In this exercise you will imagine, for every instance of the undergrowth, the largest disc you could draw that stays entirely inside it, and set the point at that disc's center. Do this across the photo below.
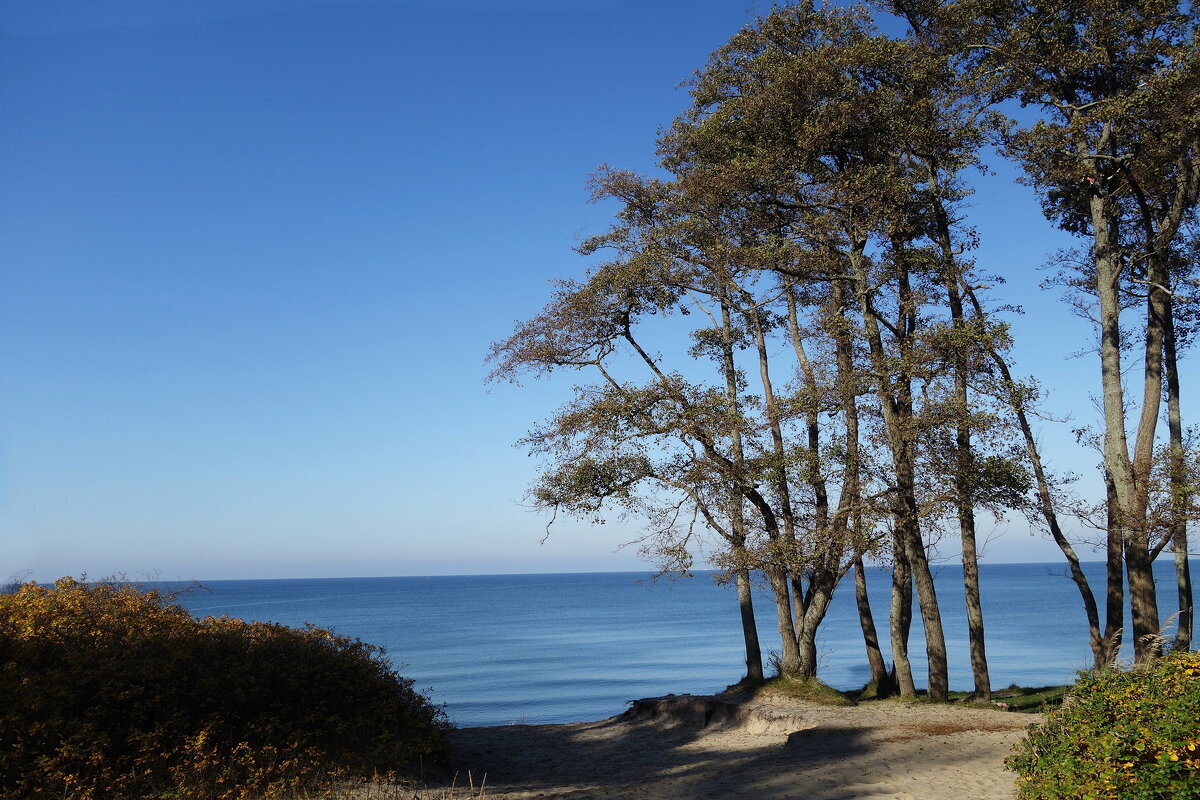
(109, 691)
(1121, 734)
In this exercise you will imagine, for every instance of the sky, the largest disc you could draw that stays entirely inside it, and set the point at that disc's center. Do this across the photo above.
(254, 253)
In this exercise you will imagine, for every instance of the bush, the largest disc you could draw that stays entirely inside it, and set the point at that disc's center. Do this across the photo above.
(1128, 734)
(108, 691)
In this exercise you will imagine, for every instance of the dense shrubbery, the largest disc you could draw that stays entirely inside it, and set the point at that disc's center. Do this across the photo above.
(1127, 734)
(107, 691)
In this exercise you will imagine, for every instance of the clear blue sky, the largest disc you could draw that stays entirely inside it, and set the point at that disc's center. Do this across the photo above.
(254, 252)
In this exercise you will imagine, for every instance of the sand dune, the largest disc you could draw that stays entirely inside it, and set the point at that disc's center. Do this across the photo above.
(679, 748)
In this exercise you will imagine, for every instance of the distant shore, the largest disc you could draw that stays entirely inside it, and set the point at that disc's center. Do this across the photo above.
(685, 747)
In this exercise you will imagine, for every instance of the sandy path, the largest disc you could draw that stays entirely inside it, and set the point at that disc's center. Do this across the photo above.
(766, 750)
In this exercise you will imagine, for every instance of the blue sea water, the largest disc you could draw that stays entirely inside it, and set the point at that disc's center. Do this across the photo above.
(497, 649)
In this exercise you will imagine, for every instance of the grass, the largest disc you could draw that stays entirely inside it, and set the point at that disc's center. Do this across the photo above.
(808, 689)
(462, 787)
(1019, 699)
(1029, 700)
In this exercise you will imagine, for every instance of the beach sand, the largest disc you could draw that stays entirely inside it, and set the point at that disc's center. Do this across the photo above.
(686, 747)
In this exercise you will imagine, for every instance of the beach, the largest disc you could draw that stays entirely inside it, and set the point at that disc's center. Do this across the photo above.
(685, 747)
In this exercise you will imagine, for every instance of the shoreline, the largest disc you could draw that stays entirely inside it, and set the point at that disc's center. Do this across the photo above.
(681, 747)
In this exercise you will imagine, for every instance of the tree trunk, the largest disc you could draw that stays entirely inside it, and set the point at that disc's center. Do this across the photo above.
(896, 401)
(778, 473)
(963, 459)
(830, 537)
(806, 641)
(850, 503)
(1183, 585)
(931, 617)
(900, 617)
(754, 665)
(789, 654)
(1126, 499)
(866, 620)
(1016, 401)
(827, 576)
(1114, 603)
(1180, 489)
(1142, 601)
(1139, 564)
(895, 398)
(970, 564)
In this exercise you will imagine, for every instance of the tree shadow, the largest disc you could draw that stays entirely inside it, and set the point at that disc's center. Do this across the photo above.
(624, 756)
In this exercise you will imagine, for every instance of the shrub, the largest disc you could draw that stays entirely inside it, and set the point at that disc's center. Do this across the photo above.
(1128, 734)
(108, 691)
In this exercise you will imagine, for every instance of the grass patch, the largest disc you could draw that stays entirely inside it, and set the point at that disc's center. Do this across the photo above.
(462, 786)
(1019, 699)
(807, 689)
(875, 691)
(1026, 699)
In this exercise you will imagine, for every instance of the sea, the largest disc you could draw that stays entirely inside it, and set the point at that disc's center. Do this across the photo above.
(504, 649)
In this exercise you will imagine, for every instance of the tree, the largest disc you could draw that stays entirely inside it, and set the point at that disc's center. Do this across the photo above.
(628, 442)
(848, 145)
(1115, 158)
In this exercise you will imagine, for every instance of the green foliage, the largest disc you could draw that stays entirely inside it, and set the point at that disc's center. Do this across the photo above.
(1019, 699)
(1124, 734)
(108, 691)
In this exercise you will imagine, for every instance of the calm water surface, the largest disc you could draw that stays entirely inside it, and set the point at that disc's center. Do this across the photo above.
(497, 649)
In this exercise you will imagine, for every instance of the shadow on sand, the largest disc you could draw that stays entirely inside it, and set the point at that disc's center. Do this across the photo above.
(687, 747)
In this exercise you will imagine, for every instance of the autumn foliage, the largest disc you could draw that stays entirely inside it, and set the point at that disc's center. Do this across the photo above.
(109, 691)
(1121, 735)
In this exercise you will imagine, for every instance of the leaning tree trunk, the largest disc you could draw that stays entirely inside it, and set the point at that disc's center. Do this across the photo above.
(816, 605)
(970, 565)
(850, 505)
(1161, 224)
(1016, 398)
(789, 653)
(1139, 564)
(829, 543)
(895, 395)
(778, 473)
(931, 617)
(754, 665)
(827, 573)
(789, 657)
(963, 460)
(1126, 499)
(900, 616)
(895, 400)
(1181, 491)
(866, 621)
(777, 576)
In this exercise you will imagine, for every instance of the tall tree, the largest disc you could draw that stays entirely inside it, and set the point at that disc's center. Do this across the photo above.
(627, 444)
(1115, 155)
(849, 143)
(941, 139)
(722, 449)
